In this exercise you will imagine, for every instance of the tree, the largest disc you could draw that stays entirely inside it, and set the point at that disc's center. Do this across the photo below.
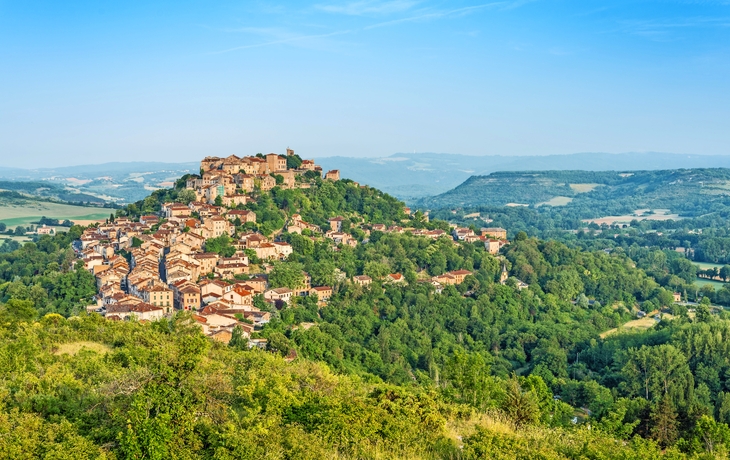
(664, 429)
(376, 270)
(614, 422)
(322, 272)
(186, 196)
(287, 274)
(293, 161)
(552, 357)
(278, 343)
(655, 371)
(17, 311)
(278, 178)
(665, 298)
(260, 302)
(3, 227)
(219, 200)
(238, 340)
(466, 379)
(136, 242)
(711, 434)
(520, 405)
(702, 311)
(221, 245)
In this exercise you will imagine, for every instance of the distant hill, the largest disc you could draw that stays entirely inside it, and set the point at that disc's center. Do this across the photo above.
(415, 175)
(408, 176)
(590, 194)
(109, 182)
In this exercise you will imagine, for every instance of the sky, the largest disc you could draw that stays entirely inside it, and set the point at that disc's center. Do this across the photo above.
(86, 82)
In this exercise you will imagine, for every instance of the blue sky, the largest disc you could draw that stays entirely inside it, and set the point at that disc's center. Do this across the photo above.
(90, 82)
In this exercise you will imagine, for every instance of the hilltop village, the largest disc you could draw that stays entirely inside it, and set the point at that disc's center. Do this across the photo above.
(150, 266)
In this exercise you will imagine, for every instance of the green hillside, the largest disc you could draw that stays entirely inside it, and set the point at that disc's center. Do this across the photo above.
(481, 369)
(590, 194)
(17, 210)
(84, 388)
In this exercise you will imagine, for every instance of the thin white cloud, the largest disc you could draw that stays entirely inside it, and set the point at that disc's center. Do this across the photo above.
(369, 7)
(276, 36)
(436, 15)
(662, 30)
(289, 39)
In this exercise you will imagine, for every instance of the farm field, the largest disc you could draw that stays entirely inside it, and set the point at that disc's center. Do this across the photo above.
(14, 214)
(557, 201)
(706, 265)
(583, 188)
(702, 282)
(639, 214)
(641, 323)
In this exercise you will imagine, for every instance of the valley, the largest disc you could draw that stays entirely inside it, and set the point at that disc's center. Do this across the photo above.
(268, 275)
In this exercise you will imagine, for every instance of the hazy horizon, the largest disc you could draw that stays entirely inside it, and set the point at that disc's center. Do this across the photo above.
(176, 81)
(172, 163)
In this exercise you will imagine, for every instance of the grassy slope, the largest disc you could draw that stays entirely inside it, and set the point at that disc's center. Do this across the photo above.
(23, 212)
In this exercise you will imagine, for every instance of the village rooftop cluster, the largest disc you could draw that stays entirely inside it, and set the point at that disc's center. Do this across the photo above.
(167, 267)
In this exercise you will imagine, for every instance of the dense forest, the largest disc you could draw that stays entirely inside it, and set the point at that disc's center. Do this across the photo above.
(704, 238)
(479, 370)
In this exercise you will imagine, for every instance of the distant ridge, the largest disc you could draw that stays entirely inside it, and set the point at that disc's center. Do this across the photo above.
(591, 194)
(116, 182)
(116, 167)
(413, 175)
(408, 176)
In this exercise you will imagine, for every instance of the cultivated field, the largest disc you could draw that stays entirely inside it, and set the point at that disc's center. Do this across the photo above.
(14, 213)
(706, 265)
(557, 201)
(642, 323)
(583, 188)
(639, 214)
(702, 282)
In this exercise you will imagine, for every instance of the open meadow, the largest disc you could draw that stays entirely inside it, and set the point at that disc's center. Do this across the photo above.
(639, 214)
(24, 212)
(703, 282)
(706, 265)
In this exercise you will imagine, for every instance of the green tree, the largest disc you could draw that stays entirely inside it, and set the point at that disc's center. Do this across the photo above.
(17, 311)
(711, 434)
(664, 425)
(278, 178)
(186, 196)
(279, 343)
(293, 161)
(221, 245)
(520, 405)
(466, 378)
(376, 270)
(287, 274)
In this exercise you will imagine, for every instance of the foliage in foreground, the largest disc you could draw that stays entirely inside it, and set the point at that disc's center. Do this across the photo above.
(88, 388)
